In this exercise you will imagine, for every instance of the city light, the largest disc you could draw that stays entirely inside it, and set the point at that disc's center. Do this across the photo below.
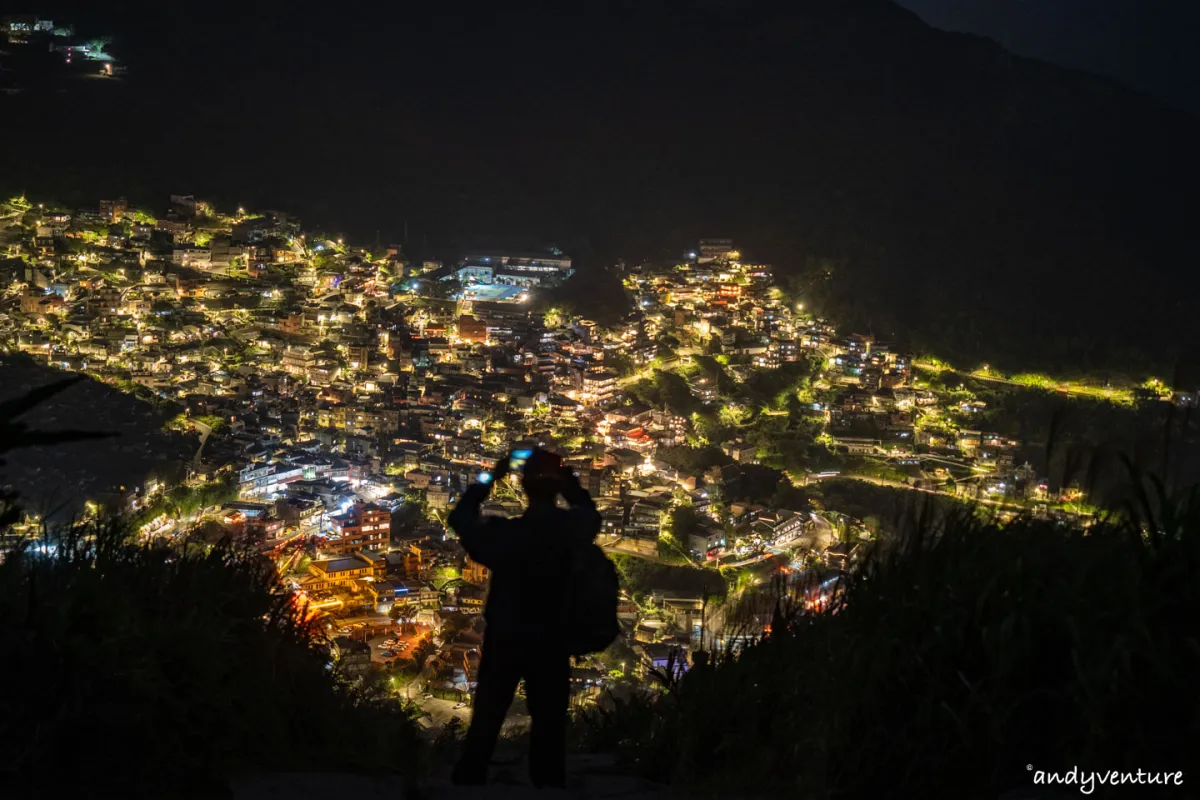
(331, 396)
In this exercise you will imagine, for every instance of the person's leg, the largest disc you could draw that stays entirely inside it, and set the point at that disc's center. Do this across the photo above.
(548, 686)
(499, 672)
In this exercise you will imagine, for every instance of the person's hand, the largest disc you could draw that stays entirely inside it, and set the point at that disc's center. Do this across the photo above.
(572, 489)
(567, 476)
(500, 469)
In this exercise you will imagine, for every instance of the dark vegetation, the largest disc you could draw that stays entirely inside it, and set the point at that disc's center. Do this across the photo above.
(16, 434)
(1083, 441)
(956, 657)
(789, 441)
(184, 500)
(157, 671)
(694, 460)
(55, 481)
(776, 386)
(642, 577)
(665, 389)
(756, 483)
(160, 673)
(770, 415)
(594, 292)
(959, 653)
(884, 509)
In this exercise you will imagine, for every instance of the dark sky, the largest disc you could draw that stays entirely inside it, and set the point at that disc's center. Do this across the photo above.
(1147, 44)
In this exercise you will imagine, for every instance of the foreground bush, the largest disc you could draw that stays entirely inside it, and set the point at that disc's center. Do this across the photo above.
(133, 671)
(956, 661)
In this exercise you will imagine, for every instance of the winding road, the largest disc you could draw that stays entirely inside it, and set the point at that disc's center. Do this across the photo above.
(1112, 395)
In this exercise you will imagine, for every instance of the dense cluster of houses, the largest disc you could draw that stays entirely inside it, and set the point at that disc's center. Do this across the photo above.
(350, 395)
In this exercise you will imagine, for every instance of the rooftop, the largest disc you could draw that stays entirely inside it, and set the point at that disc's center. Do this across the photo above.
(333, 565)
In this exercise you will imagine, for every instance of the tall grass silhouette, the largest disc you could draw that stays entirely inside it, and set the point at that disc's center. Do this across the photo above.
(958, 654)
(141, 671)
(155, 672)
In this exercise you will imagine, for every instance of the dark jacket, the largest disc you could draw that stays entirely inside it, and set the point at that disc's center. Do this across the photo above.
(527, 556)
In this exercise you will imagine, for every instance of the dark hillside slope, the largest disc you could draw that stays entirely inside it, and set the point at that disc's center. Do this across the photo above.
(982, 205)
(979, 205)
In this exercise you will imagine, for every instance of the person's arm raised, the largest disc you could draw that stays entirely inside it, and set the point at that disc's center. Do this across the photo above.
(478, 536)
(587, 520)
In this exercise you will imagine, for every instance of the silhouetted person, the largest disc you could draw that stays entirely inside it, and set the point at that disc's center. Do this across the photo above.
(528, 559)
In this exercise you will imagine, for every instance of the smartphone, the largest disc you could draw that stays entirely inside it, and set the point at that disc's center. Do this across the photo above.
(484, 477)
(517, 462)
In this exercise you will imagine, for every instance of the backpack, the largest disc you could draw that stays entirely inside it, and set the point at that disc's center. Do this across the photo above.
(591, 607)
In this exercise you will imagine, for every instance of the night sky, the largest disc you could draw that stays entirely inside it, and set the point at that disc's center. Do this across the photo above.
(1147, 44)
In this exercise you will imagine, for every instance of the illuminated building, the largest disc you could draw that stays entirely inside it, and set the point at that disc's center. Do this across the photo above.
(362, 527)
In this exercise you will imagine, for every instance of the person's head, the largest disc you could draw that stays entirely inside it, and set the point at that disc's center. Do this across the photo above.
(541, 478)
